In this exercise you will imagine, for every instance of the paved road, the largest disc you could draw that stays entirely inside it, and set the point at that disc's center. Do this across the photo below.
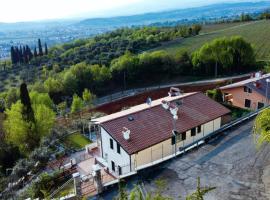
(230, 163)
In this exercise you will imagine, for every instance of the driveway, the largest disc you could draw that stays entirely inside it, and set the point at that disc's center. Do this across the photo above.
(231, 163)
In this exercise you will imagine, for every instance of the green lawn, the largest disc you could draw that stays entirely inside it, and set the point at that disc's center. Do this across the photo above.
(76, 141)
(257, 33)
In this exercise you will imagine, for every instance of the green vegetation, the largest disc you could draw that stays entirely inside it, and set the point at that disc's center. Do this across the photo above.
(262, 128)
(28, 121)
(223, 56)
(76, 141)
(237, 112)
(256, 33)
(136, 193)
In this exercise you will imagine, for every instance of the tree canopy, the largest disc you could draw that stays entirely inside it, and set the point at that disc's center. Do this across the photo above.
(23, 131)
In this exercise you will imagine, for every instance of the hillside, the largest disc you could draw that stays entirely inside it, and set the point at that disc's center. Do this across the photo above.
(203, 13)
(257, 33)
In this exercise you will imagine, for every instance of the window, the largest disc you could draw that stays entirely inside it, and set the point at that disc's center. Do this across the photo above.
(247, 103)
(199, 129)
(246, 89)
(260, 105)
(184, 136)
(118, 148)
(173, 140)
(111, 143)
(113, 166)
(193, 132)
(119, 170)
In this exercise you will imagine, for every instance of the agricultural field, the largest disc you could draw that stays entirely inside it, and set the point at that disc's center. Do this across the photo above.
(257, 33)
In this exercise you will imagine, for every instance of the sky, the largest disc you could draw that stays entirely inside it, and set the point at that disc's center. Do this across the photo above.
(36, 10)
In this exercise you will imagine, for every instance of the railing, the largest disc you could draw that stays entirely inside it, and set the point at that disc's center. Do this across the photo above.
(132, 92)
(162, 153)
(60, 188)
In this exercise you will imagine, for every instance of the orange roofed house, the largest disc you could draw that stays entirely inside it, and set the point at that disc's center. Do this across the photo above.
(142, 136)
(253, 93)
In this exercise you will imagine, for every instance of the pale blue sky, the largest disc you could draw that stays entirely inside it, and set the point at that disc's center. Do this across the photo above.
(33, 10)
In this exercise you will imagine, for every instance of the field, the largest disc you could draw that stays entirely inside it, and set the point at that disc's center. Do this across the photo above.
(257, 33)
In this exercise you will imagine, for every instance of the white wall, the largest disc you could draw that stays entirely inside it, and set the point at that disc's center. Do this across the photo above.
(165, 148)
(122, 159)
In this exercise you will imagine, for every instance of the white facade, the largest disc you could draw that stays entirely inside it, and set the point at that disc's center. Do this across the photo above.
(121, 159)
(152, 155)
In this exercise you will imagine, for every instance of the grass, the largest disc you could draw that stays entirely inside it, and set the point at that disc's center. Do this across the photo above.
(257, 33)
(76, 141)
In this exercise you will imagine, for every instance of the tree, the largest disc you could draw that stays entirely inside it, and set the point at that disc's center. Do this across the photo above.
(62, 108)
(88, 97)
(27, 113)
(12, 96)
(77, 104)
(46, 49)
(40, 50)
(261, 128)
(196, 28)
(29, 120)
(35, 52)
(224, 55)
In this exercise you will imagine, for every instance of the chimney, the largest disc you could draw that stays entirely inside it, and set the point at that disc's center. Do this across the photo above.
(126, 133)
(165, 104)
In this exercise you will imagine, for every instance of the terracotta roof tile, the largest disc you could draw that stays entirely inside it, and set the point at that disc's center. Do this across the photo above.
(154, 125)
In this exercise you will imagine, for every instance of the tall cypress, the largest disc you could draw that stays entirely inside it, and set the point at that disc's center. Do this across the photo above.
(29, 53)
(46, 49)
(40, 51)
(28, 113)
(13, 55)
(35, 52)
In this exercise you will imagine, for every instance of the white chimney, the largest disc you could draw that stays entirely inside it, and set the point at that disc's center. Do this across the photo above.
(165, 104)
(126, 133)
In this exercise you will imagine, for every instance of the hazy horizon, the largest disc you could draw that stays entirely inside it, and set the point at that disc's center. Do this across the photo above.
(38, 10)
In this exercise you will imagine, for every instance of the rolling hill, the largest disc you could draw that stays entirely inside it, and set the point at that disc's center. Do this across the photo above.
(257, 33)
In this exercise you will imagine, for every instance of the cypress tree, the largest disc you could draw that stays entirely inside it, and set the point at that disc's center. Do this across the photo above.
(17, 55)
(40, 51)
(13, 55)
(29, 53)
(20, 55)
(27, 112)
(25, 56)
(46, 49)
(35, 52)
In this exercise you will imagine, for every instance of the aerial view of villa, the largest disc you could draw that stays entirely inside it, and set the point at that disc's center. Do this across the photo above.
(135, 100)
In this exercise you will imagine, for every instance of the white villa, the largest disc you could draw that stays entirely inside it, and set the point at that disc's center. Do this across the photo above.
(156, 131)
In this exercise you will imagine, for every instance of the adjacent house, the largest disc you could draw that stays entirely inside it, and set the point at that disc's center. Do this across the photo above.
(253, 93)
(148, 134)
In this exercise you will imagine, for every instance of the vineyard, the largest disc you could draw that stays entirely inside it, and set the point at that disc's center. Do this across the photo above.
(257, 33)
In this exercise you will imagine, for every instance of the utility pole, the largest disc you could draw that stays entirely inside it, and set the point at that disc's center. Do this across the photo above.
(266, 95)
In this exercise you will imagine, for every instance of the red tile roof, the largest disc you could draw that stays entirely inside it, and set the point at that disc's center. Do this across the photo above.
(154, 125)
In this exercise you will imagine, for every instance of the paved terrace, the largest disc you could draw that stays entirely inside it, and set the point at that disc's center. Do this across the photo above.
(231, 163)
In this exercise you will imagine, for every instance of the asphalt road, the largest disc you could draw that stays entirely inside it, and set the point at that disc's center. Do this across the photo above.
(230, 163)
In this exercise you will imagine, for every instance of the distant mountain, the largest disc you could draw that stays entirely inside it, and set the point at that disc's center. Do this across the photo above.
(199, 13)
